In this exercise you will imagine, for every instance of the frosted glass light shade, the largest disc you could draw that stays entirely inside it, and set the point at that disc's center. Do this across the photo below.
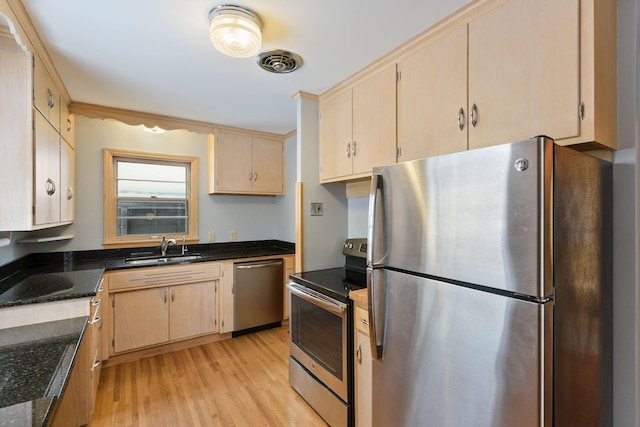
(235, 31)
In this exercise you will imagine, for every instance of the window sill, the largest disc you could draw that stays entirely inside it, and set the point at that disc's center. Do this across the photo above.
(147, 243)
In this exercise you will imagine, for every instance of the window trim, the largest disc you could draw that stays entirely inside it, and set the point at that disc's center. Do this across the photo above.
(110, 237)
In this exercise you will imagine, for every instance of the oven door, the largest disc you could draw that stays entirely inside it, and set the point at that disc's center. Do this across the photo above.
(318, 327)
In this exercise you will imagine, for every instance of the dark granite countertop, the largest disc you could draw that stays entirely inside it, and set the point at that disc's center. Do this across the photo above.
(35, 361)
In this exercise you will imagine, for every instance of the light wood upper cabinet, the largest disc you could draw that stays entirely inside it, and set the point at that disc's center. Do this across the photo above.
(245, 164)
(47, 186)
(335, 136)
(46, 96)
(358, 128)
(67, 125)
(67, 182)
(524, 72)
(432, 98)
(33, 161)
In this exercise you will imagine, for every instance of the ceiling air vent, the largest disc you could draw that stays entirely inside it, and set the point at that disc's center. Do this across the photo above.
(279, 61)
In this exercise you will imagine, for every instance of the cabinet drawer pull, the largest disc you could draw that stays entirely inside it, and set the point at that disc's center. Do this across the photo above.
(474, 115)
(95, 303)
(96, 320)
(96, 363)
(364, 322)
(461, 118)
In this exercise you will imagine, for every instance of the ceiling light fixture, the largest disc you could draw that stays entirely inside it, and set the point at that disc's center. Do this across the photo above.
(235, 30)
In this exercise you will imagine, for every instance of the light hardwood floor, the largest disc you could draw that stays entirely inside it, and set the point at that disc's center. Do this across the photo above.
(242, 381)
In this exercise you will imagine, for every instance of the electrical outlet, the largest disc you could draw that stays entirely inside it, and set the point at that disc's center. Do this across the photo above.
(233, 235)
(212, 236)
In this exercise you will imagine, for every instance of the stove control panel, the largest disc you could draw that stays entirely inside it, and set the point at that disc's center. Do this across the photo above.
(355, 247)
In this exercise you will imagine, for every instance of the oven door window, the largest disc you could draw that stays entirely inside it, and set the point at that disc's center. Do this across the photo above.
(318, 333)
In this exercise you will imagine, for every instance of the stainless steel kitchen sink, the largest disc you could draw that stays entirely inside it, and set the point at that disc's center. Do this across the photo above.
(167, 259)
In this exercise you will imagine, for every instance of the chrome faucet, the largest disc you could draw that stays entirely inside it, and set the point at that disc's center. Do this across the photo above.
(165, 244)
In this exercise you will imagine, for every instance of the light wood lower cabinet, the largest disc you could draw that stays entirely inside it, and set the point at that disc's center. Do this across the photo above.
(158, 305)
(226, 298)
(76, 403)
(148, 317)
(192, 310)
(289, 268)
(363, 366)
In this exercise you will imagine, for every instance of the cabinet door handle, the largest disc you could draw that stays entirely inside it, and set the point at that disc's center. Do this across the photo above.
(173, 295)
(353, 148)
(51, 187)
(474, 115)
(165, 296)
(255, 176)
(359, 354)
(70, 193)
(51, 98)
(349, 150)
(461, 118)
(250, 176)
(69, 125)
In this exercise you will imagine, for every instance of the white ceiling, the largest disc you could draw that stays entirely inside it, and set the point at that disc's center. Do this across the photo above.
(155, 56)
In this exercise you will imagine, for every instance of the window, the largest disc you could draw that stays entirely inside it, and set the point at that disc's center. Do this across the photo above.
(148, 196)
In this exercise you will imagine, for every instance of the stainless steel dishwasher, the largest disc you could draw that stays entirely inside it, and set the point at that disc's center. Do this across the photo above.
(258, 294)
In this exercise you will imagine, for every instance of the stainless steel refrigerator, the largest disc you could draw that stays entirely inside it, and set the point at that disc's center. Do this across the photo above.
(489, 280)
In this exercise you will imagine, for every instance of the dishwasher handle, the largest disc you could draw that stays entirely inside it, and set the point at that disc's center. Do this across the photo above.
(248, 266)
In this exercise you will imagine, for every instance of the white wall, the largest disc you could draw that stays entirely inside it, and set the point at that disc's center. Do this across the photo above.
(625, 194)
(358, 217)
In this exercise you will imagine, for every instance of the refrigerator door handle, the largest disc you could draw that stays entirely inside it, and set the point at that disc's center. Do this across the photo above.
(372, 231)
(376, 291)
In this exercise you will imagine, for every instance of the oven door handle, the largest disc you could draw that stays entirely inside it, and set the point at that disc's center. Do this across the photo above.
(318, 299)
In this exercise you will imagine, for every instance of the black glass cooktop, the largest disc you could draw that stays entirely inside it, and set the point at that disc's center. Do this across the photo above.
(334, 282)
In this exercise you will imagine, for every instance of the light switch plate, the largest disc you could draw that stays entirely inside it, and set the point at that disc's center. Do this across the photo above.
(316, 209)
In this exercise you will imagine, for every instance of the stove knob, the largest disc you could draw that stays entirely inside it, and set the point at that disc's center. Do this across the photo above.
(350, 245)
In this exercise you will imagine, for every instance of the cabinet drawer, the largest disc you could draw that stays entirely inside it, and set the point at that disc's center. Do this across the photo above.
(169, 275)
(362, 320)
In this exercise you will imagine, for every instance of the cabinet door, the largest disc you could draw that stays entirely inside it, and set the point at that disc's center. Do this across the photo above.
(226, 299)
(268, 166)
(46, 97)
(232, 157)
(363, 373)
(335, 136)
(67, 182)
(140, 319)
(67, 125)
(46, 185)
(432, 93)
(524, 71)
(192, 310)
(374, 121)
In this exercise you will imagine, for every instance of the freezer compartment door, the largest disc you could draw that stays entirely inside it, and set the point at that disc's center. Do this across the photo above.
(455, 356)
(481, 216)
